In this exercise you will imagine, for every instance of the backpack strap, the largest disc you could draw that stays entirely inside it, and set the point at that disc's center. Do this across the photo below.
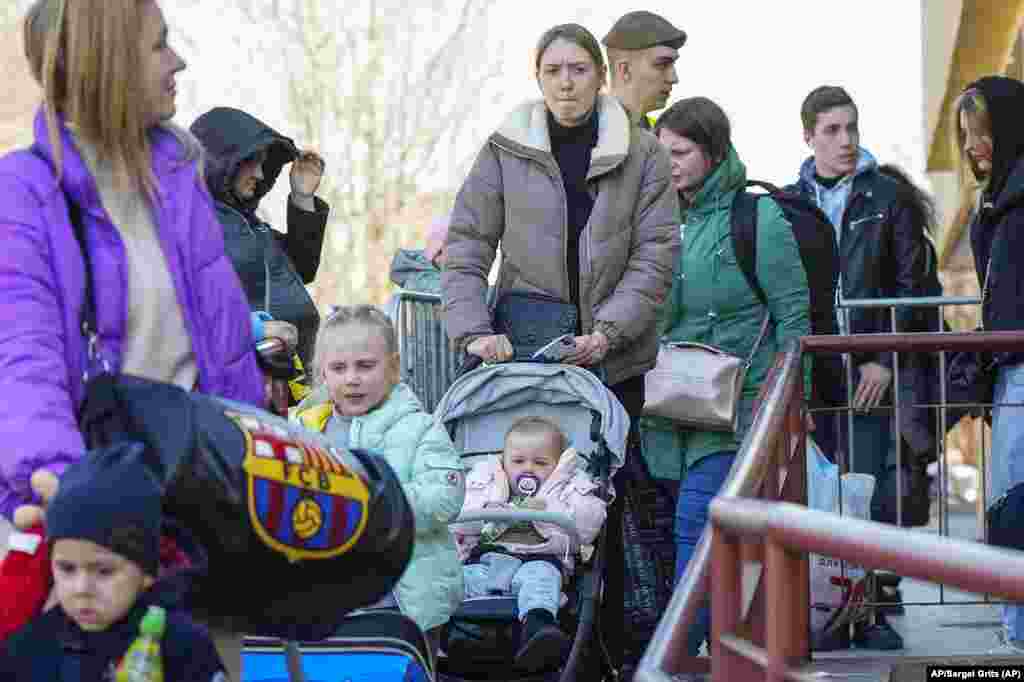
(743, 228)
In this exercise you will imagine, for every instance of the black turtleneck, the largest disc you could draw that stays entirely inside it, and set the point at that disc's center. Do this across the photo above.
(571, 148)
(828, 183)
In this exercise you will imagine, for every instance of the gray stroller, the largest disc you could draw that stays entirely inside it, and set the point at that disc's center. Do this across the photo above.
(480, 640)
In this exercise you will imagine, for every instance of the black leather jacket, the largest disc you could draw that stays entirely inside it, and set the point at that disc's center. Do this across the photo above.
(883, 253)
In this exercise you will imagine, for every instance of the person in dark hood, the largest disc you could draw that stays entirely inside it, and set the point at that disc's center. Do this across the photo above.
(990, 140)
(244, 158)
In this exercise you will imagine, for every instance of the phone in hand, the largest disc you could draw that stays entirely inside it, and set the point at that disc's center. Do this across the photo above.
(557, 350)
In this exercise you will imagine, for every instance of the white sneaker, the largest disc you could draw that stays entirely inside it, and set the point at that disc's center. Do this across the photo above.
(1007, 646)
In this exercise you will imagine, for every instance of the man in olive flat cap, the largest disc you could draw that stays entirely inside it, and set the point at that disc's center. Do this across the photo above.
(642, 51)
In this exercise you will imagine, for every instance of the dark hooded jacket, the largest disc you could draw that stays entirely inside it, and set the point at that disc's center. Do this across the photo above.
(52, 648)
(260, 254)
(997, 231)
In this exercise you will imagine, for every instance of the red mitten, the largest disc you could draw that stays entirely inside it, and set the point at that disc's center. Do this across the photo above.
(25, 578)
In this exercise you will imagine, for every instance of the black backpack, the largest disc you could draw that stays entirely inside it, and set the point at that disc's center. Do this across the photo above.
(816, 239)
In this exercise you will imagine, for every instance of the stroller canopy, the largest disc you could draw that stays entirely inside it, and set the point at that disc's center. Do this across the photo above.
(480, 406)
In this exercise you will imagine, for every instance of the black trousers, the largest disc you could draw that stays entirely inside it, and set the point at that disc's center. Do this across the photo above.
(613, 619)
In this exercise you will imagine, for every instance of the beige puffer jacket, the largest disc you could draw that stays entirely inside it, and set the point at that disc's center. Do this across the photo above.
(514, 197)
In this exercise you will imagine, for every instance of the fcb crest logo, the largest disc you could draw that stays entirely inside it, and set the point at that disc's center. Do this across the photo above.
(303, 502)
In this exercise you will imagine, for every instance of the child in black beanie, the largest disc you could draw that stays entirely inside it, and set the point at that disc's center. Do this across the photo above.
(103, 527)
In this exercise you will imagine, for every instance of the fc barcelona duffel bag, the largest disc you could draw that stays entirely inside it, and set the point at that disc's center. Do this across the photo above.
(296, 532)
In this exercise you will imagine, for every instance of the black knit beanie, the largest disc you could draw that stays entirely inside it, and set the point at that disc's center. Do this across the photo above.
(108, 497)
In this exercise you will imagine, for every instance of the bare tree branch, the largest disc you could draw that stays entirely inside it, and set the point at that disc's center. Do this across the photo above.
(384, 89)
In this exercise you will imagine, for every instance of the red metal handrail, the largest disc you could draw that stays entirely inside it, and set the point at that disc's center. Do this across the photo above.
(665, 654)
(924, 342)
(789, 532)
(970, 566)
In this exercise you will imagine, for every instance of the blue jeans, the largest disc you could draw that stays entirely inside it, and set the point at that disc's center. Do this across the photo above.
(702, 483)
(1007, 460)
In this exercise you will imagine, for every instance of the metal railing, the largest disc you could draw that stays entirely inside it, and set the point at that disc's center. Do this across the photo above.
(428, 365)
(942, 426)
(788, 533)
(785, 639)
(939, 344)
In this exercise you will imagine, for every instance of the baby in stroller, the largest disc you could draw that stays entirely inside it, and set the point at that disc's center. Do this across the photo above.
(529, 560)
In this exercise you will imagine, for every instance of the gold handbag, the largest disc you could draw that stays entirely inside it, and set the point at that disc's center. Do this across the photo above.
(698, 386)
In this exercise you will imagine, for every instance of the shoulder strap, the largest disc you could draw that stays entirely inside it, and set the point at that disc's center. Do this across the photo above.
(743, 228)
(87, 315)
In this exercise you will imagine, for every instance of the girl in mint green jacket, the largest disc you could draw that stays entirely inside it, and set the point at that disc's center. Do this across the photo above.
(356, 358)
(712, 303)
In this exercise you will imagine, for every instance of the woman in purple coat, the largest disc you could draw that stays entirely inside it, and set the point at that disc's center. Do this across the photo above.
(168, 303)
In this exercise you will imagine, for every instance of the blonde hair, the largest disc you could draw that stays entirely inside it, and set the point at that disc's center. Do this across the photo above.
(363, 315)
(972, 104)
(538, 426)
(957, 228)
(85, 54)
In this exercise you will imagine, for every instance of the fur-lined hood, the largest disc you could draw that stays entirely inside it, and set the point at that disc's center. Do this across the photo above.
(526, 129)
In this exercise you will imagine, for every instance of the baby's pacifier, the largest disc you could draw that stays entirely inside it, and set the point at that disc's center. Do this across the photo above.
(527, 484)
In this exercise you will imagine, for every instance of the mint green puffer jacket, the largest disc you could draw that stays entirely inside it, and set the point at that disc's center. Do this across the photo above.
(425, 461)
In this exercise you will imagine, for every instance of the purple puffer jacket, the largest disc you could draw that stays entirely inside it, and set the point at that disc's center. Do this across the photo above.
(42, 285)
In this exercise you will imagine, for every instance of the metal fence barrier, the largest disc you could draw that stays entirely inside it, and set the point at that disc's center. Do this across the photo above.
(896, 408)
(428, 365)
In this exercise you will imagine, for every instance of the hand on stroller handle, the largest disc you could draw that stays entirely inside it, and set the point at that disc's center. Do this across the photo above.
(563, 521)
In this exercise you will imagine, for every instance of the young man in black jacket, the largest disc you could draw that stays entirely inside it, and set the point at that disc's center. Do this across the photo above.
(884, 253)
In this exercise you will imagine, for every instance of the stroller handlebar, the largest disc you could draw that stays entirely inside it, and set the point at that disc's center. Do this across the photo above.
(563, 521)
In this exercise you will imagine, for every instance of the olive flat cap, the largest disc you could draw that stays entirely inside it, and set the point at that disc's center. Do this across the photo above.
(640, 30)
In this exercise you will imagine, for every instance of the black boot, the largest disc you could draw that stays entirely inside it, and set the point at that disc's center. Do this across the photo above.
(879, 635)
(542, 645)
(834, 639)
(887, 593)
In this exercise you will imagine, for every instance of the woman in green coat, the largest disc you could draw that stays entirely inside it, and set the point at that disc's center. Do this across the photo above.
(711, 303)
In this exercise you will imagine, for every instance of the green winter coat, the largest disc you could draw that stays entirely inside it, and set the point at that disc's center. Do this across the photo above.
(425, 461)
(712, 303)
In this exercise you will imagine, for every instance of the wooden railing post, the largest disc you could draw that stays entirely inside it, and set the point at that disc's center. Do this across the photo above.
(725, 601)
(786, 636)
(726, 607)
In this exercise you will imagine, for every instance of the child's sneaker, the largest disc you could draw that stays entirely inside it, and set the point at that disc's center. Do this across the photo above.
(543, 645)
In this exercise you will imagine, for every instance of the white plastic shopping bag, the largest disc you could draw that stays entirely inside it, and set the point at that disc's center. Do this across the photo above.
(837, 589)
